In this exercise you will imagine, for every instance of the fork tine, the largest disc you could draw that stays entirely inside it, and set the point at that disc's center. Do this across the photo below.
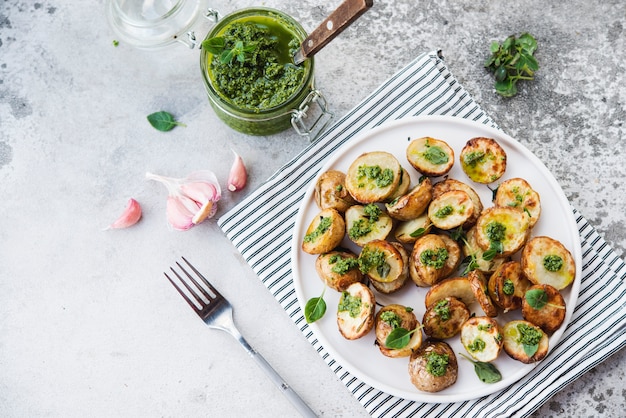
(189, 301)
(202, 278)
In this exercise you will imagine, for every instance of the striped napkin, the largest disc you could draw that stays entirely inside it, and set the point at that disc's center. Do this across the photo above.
(261, 227)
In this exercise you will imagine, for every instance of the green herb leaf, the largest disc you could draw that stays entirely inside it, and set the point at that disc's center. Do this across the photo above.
(536, 298)
(486, 372)
(214, 45)
(163, 121)
(512, 61)
(530, 349)
(398, 338)
(315, 308)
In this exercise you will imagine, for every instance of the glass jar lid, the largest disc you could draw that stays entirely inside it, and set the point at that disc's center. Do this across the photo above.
(152, 24)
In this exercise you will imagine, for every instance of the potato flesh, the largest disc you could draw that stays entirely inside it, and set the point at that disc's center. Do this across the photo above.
(516, 224)
(518, 194)
(356, 327)
(366, 190)
(533, 256)
(488, 168)
(417, 155)
(451, 209)
(485, 330)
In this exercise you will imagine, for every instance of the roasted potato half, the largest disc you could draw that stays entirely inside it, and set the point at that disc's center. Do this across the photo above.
(428, 260)
(431, 157)
(451, 209)
(482, 338)
(525, 341)
(331, 192)
(444, 318)
(517, 193)
(483, 160)
(502, 228)
(355, 312)
(548, 309)
(408, 232)
(382, 261)
(338, 269)
(454, 256)
(547, 261)
(373, 177)
(403, 187)
(457, 287)
(507, 286)
(452, 184)
(478, 283)
(367, 223)
(324, 233)
(397, 284)
(413, 204)
(433, 367)
(395, 316)
(472, 250)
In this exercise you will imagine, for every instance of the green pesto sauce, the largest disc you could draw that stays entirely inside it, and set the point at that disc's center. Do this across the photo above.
(392, 318)
(267, 77)
(434, 258)
(435, 155)
(508, 288)
(444, 212)
(442, 308)
(374, 259)
(350, 304)
(529, 335)
(322, 227)
(374, 174)
(476, 345)
(342, 265)
(437, 364)
(496, 232)
(552, 262)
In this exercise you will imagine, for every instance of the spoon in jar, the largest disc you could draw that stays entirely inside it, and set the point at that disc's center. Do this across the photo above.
(341, 18)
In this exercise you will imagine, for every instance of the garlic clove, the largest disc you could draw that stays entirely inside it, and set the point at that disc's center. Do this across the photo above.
(179, 215)
(130, 216)
(238, 175)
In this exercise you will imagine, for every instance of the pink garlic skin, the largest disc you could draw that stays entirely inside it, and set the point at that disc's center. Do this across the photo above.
(129, 217)
(190, 200)
(238, 175)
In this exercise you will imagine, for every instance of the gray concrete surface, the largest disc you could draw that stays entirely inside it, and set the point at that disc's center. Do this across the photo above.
(88, 325)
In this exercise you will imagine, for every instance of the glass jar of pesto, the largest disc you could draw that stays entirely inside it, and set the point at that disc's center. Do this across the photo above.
(249, 75)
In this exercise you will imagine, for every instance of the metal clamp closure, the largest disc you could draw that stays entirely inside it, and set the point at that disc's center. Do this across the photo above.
(321, 121)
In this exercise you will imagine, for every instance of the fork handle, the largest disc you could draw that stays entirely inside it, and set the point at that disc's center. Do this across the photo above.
(280, 383)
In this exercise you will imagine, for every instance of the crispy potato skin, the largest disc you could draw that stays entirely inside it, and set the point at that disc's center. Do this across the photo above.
(483, 160)
(442, 327)
(382, 330)
(334, 280)
(418, 373)
(515, 349)
(485, 329)
(511, 270)
(478, 283)
(551, 316)
(454, 256)
(533, 256)
(416, 155)
(353, 328)
(423, 274)
(413, 204)
(331, 192)
(517, 193)
(458, 287)
(328, 240)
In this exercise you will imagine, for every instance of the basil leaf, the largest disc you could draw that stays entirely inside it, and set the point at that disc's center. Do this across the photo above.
(486, 372)
(536, 298)
(398, 338)
(163, 121)
(530, 350)
(214, 45)
(314, 309)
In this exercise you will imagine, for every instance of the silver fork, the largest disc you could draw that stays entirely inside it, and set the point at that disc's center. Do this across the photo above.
(217, 313)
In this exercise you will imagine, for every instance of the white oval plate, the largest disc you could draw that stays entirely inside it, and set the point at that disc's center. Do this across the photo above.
(361, 357)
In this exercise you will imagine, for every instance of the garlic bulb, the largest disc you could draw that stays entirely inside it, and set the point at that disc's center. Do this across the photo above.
(192, 199)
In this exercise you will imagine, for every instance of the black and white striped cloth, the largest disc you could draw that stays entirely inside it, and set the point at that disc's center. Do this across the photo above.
(261, 227)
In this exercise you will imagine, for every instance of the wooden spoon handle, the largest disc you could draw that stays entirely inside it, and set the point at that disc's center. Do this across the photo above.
(341, 18)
